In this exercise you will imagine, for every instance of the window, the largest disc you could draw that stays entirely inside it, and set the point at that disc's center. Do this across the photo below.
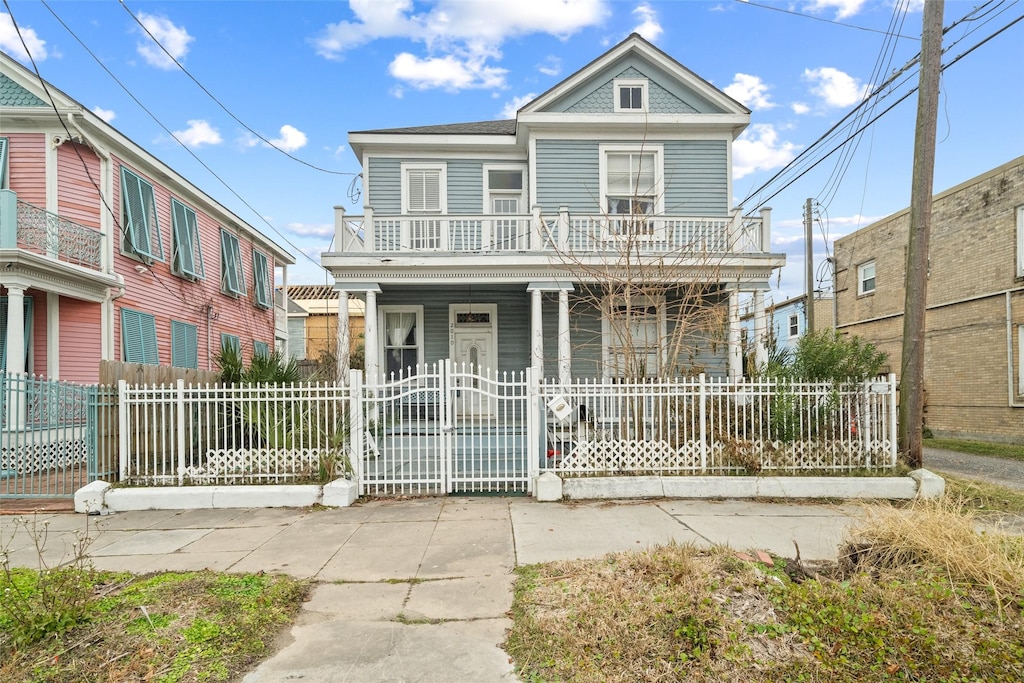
(866, 278)
(424, 191)
(630, 95)
(261, 279)
(232, 280)
(3, 163)
(139, 226)
(186, 256)
(3, 332)
(260, 349)
(230, 341)
(794, 325)
(631, 187)
(632, 332)
(138, 338)
(184, 345)
(504, 195)
(403, 338)
(1020, 241)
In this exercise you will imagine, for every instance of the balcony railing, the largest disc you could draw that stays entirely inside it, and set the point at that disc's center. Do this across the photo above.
(33, 229)
(562, 232)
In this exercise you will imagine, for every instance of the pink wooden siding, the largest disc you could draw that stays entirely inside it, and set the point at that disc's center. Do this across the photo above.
(168, 297)
(81, 340)
(77, 198)
(26, 159)
(38, 331)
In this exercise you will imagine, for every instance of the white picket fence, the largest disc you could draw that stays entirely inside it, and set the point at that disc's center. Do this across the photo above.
(447, 428)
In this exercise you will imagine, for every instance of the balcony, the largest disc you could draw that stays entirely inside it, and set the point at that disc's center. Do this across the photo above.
(45, 251)
(561, 233)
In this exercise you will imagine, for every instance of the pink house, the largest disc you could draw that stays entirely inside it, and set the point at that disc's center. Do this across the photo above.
(107, 253)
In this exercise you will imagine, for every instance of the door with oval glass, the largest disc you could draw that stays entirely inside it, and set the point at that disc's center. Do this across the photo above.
(473, 351)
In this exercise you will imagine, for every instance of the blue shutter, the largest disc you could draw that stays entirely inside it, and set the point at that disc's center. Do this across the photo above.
(184, 345)
(232, 280)
(138, 338)
(187, 256)
(138, 215)
(3, 163)
(3, 329)
(261, 349)
(261, 279)
(231, 340)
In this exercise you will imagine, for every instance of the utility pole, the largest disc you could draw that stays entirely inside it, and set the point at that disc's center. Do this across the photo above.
(911, 417)
(809, 272)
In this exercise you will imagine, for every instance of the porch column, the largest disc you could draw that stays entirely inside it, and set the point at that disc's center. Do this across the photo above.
(342, 360)
(537, 332)
(564, 345)
(734, 351)
(370, 338)
(760, 350)
(15, 328)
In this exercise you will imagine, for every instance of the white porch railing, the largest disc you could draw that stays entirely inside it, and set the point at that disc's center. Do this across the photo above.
(445, 428)
(561, 232)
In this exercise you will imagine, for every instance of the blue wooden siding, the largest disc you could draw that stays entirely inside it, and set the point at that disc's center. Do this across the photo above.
(696, 176)
(666, 94)
(465, 184)
(384, 185)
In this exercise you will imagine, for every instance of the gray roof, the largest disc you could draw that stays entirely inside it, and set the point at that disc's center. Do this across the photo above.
(502, 127)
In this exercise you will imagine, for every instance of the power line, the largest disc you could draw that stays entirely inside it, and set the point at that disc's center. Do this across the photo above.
(220, 104)
(171, 134)
(827, 21)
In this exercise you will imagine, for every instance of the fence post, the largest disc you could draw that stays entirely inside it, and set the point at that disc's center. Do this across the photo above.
(180, 429)
(447, 395)
(122, 424)
(356, 427)
(893, 416)
(703, 424)
(532, 437)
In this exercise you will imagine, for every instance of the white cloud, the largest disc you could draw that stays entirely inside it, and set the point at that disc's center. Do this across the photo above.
(512, 106)
(291, 139)
(459, 35)
(751, 91)
(551, 66)
(198, 133)
(107, 115)
(11, 43)
(759, 149)
(175, 40)
(648, 27)
(844, 8)
(834, 87)
(311, 230)
(449, 72)
(800, 108)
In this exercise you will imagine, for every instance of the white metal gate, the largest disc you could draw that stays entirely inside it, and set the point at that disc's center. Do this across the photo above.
(446, 428)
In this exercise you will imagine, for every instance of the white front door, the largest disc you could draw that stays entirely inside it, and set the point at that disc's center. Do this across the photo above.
(473, 352)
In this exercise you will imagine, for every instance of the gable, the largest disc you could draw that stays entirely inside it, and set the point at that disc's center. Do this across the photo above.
(14, 95)
(666, 96)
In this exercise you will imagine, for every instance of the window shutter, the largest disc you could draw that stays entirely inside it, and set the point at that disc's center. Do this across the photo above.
(187, 255)
(133, 212)
(230, 340)
(424, 189)
(231, 278)
(261, 278)
(184, 345)
(260, 349)
(138, 338)
(3, 162)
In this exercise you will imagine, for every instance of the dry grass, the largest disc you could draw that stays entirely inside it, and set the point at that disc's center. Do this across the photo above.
(923, 596)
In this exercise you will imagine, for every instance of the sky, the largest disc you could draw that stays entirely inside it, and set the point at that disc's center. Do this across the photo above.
(258, 116)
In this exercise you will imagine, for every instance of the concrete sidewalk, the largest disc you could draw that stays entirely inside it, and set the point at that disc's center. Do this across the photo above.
(416, 590)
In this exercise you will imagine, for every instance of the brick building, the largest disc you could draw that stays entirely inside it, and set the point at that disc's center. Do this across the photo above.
(974, 355)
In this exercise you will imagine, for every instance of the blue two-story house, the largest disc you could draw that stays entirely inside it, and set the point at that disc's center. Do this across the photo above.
(590, 237)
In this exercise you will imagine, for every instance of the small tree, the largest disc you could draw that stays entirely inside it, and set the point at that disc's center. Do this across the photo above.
(828, 356)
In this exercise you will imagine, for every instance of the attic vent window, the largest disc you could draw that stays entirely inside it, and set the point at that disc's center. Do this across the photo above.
(630, 95)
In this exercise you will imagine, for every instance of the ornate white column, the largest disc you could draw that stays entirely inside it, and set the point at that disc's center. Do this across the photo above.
(370, 338)
(537, 332)
(342, 360)
(564, 342)
(735, 353)
(760, 330)
(15, 328)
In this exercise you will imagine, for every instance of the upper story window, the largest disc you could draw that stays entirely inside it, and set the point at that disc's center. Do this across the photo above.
(139, 227)
(866, 278)
(424, 188)
(261, 279)
(3, 163)
(505, 194)
(1020, 246)
(186, 255)
(232, 279)
(794, 325)
(631, 186)
(630, 94)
